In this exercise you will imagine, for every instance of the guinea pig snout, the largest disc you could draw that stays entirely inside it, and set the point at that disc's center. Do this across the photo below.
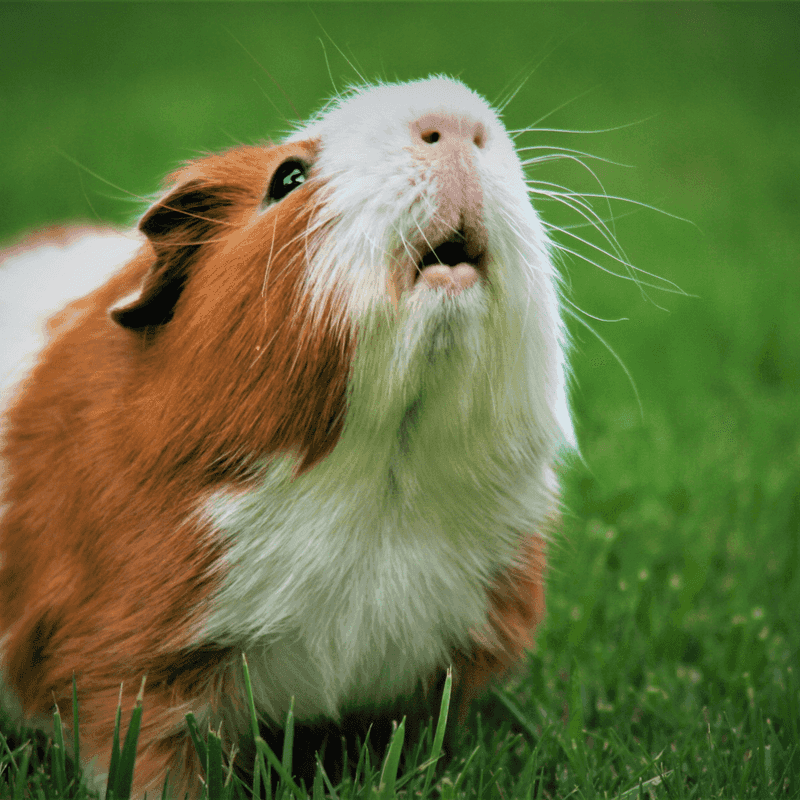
(445, 147)
(451, 245)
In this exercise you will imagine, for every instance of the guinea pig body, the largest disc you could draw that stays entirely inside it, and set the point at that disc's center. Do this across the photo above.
(312, 419)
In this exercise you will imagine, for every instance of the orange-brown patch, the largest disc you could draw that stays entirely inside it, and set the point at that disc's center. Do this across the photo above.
(516, 607)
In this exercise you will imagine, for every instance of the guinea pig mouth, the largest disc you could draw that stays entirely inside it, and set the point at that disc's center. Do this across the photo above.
(454, 264)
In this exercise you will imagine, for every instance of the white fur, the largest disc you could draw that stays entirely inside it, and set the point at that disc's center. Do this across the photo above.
(35, 283)
(351, 583)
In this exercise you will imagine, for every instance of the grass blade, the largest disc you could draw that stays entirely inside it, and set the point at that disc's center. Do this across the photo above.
(128, 755)
(460, 778)
(213, 765)
(114, 763)
(165, 786)
(197, 739)
(519, 716)
(287, 779)
(575, 722)
(22, 772)
(438, 737)
(58, 760)
(392, 762)
(288, 738)
(761, 750)
(231, 781)
(328, 784)
(76, 739)
(362, 765)
(259, 767)
(318, 790)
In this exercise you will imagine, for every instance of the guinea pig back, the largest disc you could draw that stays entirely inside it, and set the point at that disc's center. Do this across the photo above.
(312, 419)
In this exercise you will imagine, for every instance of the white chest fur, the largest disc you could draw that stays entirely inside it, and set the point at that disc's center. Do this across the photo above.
(353, 582)
(342, 598)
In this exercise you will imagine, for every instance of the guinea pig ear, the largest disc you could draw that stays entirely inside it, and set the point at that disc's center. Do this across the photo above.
(177, 227)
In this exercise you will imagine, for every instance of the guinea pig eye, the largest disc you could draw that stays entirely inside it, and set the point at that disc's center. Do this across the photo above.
(288, 176)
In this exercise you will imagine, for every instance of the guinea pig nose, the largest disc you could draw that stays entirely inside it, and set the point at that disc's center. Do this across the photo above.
(452, 129)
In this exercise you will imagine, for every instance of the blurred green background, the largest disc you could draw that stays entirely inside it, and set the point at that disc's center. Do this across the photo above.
(698, 494)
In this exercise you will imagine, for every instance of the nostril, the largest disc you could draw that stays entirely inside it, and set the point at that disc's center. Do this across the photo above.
(453, 130)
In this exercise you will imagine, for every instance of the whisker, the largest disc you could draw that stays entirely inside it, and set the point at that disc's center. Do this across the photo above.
(509, 94)
(269, 259)
(544, 197)
(640, 283)
(537, 129)
(647, 206)
(579, 310)
(328, 65)
(565, 151)
(597, 179)
(502, 107)
(341, 52)
(565, 104)
(613, 352)
(149, 199)
(586, 211)
(269, 75)
(570, 157)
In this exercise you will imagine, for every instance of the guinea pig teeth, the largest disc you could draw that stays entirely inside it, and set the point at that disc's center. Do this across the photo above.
(458, 248)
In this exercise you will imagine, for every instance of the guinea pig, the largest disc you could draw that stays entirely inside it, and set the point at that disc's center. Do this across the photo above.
(310, 413)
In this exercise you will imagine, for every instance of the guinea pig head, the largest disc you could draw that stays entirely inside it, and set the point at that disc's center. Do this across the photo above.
(384, 257)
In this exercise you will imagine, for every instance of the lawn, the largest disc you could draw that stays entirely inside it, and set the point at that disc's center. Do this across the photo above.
(668, 664)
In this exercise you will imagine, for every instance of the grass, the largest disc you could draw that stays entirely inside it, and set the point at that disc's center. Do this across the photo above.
(51, 774)
(668, 663)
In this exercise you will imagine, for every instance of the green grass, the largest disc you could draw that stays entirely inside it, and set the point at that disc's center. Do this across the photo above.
(668, 664)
